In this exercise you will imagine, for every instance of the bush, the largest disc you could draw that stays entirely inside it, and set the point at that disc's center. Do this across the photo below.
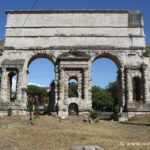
(116, 112)
(116, 109)
(45, 109)
(83, 138)
(96, 120)
(30, 108)
(93, 115)
(147, 52)
(36, 116)
(9, 112)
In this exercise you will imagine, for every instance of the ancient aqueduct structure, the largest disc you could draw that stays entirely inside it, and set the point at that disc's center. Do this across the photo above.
(72, 40)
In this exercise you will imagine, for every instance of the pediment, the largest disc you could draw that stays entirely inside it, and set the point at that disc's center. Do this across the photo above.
(74, 55)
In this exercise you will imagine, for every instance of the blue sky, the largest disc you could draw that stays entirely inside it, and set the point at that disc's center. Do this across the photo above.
(41, 72)
(101, 78)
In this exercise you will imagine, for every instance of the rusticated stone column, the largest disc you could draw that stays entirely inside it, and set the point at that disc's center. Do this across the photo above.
(24, 88)
(129, 87)
(85, 86)
(4, 79)
(145, 86)
(56, 83)
(61, 84)
(80, 87)
(19, 85)
(90, 82)
(122, 90)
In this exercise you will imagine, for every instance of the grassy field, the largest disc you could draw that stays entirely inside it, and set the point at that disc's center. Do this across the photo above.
(49, 133)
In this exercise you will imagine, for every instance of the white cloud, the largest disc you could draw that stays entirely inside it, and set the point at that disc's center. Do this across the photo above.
(37, 84)
(30, 83)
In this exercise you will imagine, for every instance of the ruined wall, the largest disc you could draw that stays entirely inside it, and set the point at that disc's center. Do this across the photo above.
(72, 40)
(101, 28)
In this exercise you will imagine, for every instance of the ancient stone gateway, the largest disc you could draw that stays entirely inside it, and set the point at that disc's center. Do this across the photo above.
(72, 40)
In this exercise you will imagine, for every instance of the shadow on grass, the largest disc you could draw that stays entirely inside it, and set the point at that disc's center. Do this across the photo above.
(136, 123)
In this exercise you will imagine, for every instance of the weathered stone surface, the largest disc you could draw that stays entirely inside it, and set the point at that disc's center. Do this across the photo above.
(72, 40)
(74, 28)
(86, 148)
(77, 148)
(92, 148)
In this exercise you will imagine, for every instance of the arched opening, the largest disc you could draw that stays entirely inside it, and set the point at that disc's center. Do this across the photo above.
(40, 89)
(73, 109)
(137, 89)
(73, 87)
(106, 83)
(12, 83)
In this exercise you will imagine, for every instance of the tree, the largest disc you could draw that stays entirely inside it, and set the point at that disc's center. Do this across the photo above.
(36, 94)
(73, 89)
(113, 88)
(101, 99)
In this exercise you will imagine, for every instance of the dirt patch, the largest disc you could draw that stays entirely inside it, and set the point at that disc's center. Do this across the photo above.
(49, 133)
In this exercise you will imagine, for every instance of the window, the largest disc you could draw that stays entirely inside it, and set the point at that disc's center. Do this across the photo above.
(13, 85)
(73, 87)
(137, 89)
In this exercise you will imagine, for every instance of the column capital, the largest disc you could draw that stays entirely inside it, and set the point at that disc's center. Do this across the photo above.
(128, 70)
(20, 69)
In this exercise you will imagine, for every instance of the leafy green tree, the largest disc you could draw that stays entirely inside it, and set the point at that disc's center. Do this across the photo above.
(101, 99)
(73, 89)
(113, 89)
(37, 93)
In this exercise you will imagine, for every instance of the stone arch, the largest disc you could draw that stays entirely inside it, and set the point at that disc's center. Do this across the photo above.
(73, 77)
(52, 99)
(41, 55)
(120, 77)
(73, 109)
(110, 55)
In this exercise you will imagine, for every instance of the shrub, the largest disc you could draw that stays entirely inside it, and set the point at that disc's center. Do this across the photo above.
(116, 109)
(116, 112)
(96, 120)
(83, 138)
(93, 115)
(147, 51)
(9, 112)
(30, 108)
(36, 116)
(45, 109)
